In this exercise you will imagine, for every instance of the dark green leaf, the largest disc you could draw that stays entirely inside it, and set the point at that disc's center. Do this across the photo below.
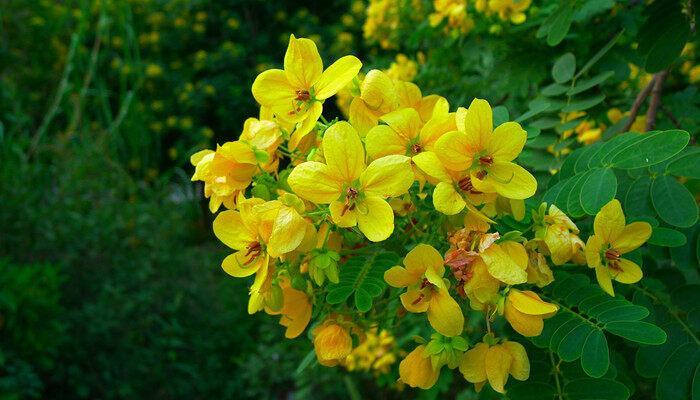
(686, 164)
(650, 148)
(595, 357)
(675, 379)
(590, 83)
(585, 104)
(531, 391)
(667, 237)
(673, 202)
(564, 68)
(600, 187)
(596, 389)
(560, 26)
(637, 331)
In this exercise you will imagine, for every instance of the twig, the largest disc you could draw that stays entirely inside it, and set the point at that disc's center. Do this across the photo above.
(670, 116)
(655, 101)
(638, 103)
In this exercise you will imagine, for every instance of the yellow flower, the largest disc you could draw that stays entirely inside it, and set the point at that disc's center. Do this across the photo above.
(525, 312)
(510, 10)
(296, 310)
(612, 239)
(377, 97)
(297, 92)
(487, 153)
(416, 370)
(225, 172)
(332, 343)
(427, 290)
(560, 236)
(258, 231)
(409, 95)
(694, 74)
(376, 353)
(264, 137)
(154, 70)
(356, 192)
(494, 363)
(538, 271)
(403, 69)
(455, 11)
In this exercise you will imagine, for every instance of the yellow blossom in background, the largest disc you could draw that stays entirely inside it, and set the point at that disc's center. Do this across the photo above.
(694, 74)
(427, 291)
(417, 370)
(402, 69)
(332, 343)
(454, 12)
(613, 238)
(525, 311)
(356, 192)
(494, 363)
(376, 353)
(297, 93)
(510, 10)
(639, 125)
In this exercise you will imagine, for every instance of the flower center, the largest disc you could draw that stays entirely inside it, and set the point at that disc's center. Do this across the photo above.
(425, 284)
(350, 195)
(612, 255)
(466, 185)
(486, 161)
(303, 95)
(416, 148)
(254, 250)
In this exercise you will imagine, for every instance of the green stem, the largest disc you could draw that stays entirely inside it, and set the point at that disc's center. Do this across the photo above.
(671, 311)
(555, 371)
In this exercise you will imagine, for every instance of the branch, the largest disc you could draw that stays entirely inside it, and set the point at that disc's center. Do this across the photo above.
(638, 103)
(670, 116)
(655, 101)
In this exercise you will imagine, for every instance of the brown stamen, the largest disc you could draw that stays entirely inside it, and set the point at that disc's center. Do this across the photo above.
(486, 160)
(254, 250)
(481, 174)
(416, 148)
(303, 95)
(466, 185)
(612, 255)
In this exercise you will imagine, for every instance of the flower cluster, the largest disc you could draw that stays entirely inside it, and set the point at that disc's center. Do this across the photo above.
(304, 195)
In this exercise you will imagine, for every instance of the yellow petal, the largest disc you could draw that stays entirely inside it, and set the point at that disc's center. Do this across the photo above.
(509, 180)
(296, 311)
(435, 128)
(229, 228)
(525, 324)
(603, 277)
(432, 106)
(408, 94)
(416, 370)
(444, 314)
(310, 117)
(375, 218)
(473, 363)
(429, 163)
(502, 267)
(413, 302)
(594, 245)
(343, 151)
(424, 257)
(559, 242)
(383, 141)
(529, 302)
(447, 200)
(337, 76)
(315, 182)
(507, 141)
(498, 362)
(342, 215)
(302, 63)
(361, 117)
(378, 92)
(517, 252)
(478, 123)
(632, 236)
(388, 176)
(454, 151)
(238, 265)
(629, 272)
(287, 232)
(610, 221)
(520, 365)
(405, 122)
(272, 89)
(199, 156)
(332, 343)
(400, 277)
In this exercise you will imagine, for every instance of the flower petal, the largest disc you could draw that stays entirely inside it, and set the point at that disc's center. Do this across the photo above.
(594, 246)
(610, 221)
(454, 151)
(502, 267)
(498, 362)
(378, 92)
(444, 314)
(308, 123)
(432, 106)
(407, 93)
(361, 117)
(388, 176)
(507, 142)
(229, 228)
(473, 363)
(383, 141)
(447, 200)
(416, 370)
(478, 123)
(343, 151)
(424, 257)
(435, 128)
(529, 302)
(342, 215)
(287, 232)
(632, 236)
(375, 218)
(405, 122)
(525, 324)
(337, 76)
(302, 63)
(237, 264)
(296, 311)
(509, 180)
(271, 88)
(429, 163)
(629, 272)
(400, 277)
(520, 365)
(603, 277)
(315, 182)
(413, 302)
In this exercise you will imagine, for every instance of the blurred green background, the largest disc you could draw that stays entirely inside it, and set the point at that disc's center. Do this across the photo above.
(110, 284)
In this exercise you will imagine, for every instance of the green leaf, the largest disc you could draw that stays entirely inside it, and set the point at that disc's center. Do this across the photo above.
(570, 346)
(531, 391)
(362, 277)
(638, 200)
(595, 357)
(596, 389)
(650, 148)
(500, 115)
(590, 83)
(675, 379)
(564, 68)
(667, 46)
(598, 190)
(686, 164)
(554, 89)
(673, 202)
(308, 359)
(581, 105)
(667, 237)
(560, 25)
(599, 54)
(637, 331)
(623, 313)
